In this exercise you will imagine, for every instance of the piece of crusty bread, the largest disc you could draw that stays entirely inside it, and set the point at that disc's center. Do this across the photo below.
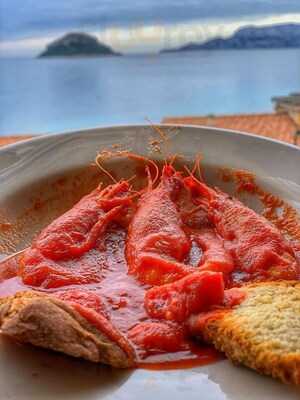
(48, 322)
(263, 332)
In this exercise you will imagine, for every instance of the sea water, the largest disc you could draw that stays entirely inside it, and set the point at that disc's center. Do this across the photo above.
(52, 95)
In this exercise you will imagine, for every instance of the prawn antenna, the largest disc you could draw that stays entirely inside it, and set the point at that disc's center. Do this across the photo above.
(104, 170)
(157, 129)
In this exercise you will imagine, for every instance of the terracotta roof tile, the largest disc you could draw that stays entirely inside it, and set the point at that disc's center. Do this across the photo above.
(4, 140)
(278, 126)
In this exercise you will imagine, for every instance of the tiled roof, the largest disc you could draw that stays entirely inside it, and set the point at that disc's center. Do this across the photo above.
(4, 140)
(274, 125)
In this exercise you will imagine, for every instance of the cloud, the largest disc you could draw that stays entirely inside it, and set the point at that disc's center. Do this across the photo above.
(23, 18)
(151, 38)
(157, 37)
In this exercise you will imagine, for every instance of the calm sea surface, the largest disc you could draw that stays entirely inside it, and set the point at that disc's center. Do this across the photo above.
(49, 95)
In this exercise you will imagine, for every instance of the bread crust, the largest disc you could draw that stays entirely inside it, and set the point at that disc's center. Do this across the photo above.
(263, 332)
(51, 323)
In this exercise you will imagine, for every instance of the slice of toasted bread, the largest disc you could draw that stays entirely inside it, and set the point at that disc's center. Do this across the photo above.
(263, 332)
(45, 321)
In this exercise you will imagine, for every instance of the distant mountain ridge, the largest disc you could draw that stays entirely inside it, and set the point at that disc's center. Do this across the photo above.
(251, 37)
(77, 44)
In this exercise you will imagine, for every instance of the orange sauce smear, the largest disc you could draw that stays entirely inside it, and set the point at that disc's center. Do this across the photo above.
(198, 356)
(287, 220)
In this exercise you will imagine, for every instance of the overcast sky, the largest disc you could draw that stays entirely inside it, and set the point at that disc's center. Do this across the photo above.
(26, 25)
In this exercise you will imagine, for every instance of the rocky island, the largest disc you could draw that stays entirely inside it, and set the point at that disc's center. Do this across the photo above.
(251, 37)
(77, 44)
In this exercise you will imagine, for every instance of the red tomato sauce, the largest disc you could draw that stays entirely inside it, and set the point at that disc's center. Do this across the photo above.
(84, 261)
(120, 298)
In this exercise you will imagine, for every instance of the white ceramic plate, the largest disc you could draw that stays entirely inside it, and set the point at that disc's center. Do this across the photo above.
(28, 170)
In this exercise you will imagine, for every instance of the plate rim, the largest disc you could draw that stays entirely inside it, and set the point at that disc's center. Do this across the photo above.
(215, 130)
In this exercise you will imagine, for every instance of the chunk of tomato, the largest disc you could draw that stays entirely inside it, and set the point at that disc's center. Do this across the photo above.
(157, 337)
(189, 295)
